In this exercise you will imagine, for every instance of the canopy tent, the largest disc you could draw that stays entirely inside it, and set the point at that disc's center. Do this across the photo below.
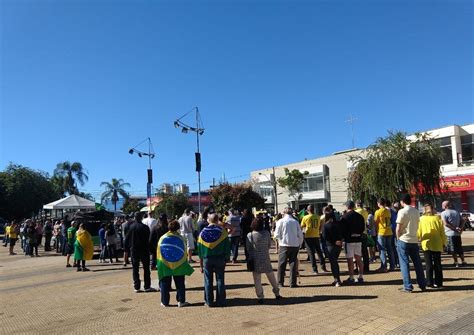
(147, 208)
(71, 202)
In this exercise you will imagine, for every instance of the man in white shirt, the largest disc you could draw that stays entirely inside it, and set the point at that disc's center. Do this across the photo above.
(407, 228)
(149, 220)
(186, 230)
(290, 236)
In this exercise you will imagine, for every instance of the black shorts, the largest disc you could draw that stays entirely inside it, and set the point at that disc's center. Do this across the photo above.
(13, 241)
(70, 249)
(455, 245)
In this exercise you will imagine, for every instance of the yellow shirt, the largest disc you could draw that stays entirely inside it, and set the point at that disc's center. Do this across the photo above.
(12, 232)
(431, 233)
(7, 231)
(365, 214)
(382, 219)
(310, 225)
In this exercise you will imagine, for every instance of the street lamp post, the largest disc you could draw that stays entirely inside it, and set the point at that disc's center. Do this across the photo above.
(150, 154)
(272, 180)
(199, 130)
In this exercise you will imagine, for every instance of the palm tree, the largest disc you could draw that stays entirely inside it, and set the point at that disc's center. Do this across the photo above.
(113, 189)
(70, 174)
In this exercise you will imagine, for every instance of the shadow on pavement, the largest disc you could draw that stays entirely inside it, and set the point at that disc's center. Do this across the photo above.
(296, 300)
(454, 288)
(227, 287)
(399, 281)
(110, 269)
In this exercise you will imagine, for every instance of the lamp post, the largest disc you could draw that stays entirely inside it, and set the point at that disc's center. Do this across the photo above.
(199, 130)
(150, 154)
(272, 181)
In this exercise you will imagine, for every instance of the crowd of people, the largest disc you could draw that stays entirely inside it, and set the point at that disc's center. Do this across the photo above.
(391, 234)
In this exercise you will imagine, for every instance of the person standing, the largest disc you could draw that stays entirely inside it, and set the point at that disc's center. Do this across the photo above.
(187, 229)
(258, 243)
(310, 225)
(83, 248)
(453, 229)
(353, 227)
(137, 246)
(103, 244)
(384, 238)
(39, 236)
(111, 240)
(172, 263)
(70, 245)
(14, 229)
(290, 236)
(332, 233)
(125, 228)
(365, 252)
(213, 249)
(156, 233)
(234, 235)
(393, 223)
(407, 234)
(245, 222)
(6, 237)
(433, 239)
(57, 236)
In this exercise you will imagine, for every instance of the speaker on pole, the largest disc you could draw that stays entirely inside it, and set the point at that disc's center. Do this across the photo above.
(198, 162)
(150, 176)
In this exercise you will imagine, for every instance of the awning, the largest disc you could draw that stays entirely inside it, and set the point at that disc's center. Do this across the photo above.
(71, 202)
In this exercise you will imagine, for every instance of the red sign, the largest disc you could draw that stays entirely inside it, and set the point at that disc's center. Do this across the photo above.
(458, 184)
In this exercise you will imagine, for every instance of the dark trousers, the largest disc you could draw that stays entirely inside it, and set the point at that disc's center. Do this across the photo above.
(395, 251)
(334, 252)
(365, 253)
(324, 247)
(112, 252)
(145, 260)
(234, 245)
(290, 255)
(433, 266)
(313, 246)
(47, 242)
(165, 288)
(214, 265)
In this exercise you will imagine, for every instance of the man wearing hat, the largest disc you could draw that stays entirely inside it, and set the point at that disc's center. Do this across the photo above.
(353, 226)
(290, 236)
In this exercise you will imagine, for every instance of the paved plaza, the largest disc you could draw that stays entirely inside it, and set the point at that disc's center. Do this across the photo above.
(42, 296)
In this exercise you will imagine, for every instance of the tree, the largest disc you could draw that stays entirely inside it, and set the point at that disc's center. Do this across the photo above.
(238, 196)
(131, 206)
(24, 191)
(71, 174)
(394, 165)
(113, 189)
(87, 196)
(293, 183)
(172, 204)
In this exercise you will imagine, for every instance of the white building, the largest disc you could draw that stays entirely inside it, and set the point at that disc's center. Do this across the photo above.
(327, 178)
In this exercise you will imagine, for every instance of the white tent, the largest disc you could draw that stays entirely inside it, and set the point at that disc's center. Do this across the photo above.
(71, 202)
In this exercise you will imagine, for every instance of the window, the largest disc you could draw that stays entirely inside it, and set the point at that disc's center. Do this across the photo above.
(446, 150)
(265, 189)
(313, 182)
(467, 148)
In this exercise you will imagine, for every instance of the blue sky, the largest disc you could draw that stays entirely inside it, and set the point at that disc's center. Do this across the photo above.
(274, 81)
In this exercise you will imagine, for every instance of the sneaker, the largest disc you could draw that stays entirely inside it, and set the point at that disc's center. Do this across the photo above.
(381, 270)
(464, 264)
(79, 269)
(404, 290)
(260, 301)
(349, 281)
(150, 289)
(423, 289)
(138, 291)
(85, 269)
(69, 266)
(294, 286)
(359, 280)
(163, 305)
(183, 304)
(278, 297)
(338, 284)
(315, 272)
(100, 261)
(456, 265)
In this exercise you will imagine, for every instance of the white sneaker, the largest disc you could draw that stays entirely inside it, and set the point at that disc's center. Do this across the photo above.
(162, 305)
(183, 304)
(100, 261)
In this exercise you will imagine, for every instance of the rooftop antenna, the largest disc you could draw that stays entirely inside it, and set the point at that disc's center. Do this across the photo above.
(351, 122)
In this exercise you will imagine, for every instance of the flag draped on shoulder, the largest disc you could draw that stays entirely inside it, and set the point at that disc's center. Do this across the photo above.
(213, 241)
(83, 246)
(171, 256)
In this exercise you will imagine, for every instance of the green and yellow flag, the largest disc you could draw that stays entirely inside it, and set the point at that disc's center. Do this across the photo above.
(213, 241)
(83, 246)
(171, 256)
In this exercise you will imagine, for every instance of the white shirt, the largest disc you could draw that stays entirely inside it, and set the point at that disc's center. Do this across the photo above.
(288, 232)
(408, 218)
(150, 222)
(186, 224)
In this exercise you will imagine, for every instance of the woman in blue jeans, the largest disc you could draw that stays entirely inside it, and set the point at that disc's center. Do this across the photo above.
(172, 263)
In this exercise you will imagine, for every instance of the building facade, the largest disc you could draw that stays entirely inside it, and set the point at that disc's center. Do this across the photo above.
(326, 181)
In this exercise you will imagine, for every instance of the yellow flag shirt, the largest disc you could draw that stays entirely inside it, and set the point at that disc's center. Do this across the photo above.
(382, 218)
(310, 225)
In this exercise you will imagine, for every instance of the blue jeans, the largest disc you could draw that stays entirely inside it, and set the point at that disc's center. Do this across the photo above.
(384, 244)
(165, 288)
(214, 265)
(405, 252)
(234, 246)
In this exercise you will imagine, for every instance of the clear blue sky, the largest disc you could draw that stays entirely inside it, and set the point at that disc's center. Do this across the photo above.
(274, 80)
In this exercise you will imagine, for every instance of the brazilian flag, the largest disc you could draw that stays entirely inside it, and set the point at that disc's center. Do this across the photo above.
(213, 241)
(171, 256)
(83, 246)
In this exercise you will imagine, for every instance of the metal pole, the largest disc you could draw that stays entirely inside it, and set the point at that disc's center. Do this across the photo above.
(275, 190)
(199, 172)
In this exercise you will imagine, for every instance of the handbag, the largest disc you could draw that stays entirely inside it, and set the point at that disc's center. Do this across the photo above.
(250, 261)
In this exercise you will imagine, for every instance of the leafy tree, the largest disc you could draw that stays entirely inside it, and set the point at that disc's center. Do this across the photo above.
(239, 196)
(172, 204)
(113, 189)
(71, 174)
(131, 206)
(395, 165)
(293, 183)
(87, 196)
(24, 191)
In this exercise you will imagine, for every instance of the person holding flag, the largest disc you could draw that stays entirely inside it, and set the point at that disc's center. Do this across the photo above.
(83, 248)
(213, 250)
(172, 263)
